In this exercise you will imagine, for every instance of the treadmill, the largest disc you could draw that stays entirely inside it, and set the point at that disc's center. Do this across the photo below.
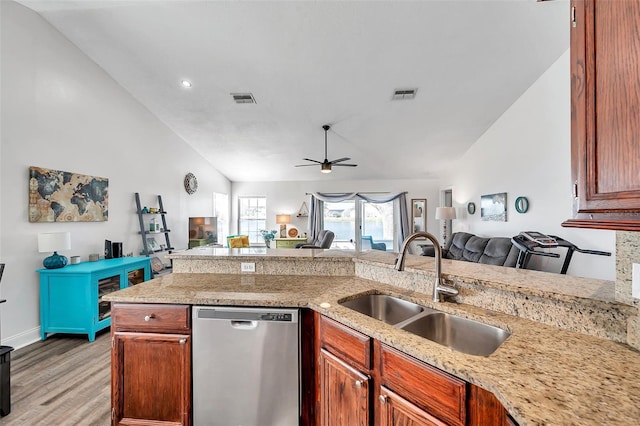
(530, 242)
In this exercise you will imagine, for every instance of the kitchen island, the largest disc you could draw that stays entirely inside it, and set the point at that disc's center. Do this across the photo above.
(541, 374)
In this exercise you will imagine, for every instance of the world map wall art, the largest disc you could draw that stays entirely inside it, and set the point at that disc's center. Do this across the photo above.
(57, 196)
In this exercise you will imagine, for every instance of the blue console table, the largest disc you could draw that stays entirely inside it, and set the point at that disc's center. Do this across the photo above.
(71, 297)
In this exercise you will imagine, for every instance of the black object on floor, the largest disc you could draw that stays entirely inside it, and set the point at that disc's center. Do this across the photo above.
(5, 380)
(528, 248)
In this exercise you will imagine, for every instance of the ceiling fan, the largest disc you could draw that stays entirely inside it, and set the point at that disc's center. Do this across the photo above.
(325, 166)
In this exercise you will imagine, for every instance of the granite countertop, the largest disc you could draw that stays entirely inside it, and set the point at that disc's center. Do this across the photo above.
(534, 283)
(258, 253)
(541, 374)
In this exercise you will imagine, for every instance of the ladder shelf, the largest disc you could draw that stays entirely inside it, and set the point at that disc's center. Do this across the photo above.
(149, 243)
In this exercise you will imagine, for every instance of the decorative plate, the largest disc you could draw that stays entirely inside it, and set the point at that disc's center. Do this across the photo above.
(522, 204)
(293, 232)
(156, 264)
(471, 208)
(190, 183)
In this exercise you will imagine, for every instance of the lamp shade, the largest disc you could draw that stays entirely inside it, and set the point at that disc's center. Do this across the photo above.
(445, 213)
(54, 241)
(283, 219)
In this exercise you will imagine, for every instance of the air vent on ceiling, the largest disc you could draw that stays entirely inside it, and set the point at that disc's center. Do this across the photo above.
(404, 94)
(243, 98)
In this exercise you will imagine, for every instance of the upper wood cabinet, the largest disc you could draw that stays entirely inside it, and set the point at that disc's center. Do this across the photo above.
(605, 114)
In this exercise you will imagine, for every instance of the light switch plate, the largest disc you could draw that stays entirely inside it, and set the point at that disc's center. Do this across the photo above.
(635, 280)
(247, 267)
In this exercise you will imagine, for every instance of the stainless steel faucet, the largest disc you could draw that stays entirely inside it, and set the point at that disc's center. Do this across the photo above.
(437, 286)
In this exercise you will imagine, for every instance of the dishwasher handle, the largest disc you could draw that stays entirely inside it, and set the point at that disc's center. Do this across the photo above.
(244, 325)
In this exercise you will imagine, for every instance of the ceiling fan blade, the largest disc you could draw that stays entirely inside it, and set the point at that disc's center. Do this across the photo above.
(325, 166)
(315, 161)
(340, 160)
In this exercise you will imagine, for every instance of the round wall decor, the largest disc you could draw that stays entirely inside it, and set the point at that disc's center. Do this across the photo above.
(471, 208)
(190, 183)
(522, 204)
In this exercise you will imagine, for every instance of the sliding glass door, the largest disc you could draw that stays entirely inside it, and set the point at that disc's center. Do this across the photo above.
(361, 224)
(377, 226)
(341, 219)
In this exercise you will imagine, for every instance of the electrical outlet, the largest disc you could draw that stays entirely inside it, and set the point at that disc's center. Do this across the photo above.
(247, 267)
(635, 280)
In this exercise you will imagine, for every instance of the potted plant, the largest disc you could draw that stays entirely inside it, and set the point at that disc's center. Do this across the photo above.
(268, 236)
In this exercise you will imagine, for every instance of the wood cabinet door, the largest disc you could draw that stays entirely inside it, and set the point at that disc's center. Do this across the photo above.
(151, 379)
(344, 393)
(605, 114)
(441, 394)
(484, 409)
(397, 411)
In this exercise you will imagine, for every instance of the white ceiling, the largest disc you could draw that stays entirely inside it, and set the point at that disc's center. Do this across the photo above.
(322, 62)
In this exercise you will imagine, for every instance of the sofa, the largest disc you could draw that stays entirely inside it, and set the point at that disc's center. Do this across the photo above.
(471, 248)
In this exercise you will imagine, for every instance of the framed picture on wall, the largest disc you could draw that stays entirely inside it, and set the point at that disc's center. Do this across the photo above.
(494, 207)
(419, 214)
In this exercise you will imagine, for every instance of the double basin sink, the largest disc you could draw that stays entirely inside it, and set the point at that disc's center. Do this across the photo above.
(457, 333)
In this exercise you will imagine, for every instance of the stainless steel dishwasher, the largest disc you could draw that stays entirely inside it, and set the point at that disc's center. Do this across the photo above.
(246, 366)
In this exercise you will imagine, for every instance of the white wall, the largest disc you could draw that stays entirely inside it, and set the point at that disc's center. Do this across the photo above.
(527, 152)
(61, 111)
(287, 197)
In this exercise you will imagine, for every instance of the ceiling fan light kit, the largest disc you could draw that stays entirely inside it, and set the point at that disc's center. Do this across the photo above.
(326, 165)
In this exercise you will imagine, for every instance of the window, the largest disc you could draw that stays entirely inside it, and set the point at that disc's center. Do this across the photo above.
(221, 211)
(252, 217)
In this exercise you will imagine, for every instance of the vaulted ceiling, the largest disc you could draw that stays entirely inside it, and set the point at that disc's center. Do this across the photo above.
(323, 62)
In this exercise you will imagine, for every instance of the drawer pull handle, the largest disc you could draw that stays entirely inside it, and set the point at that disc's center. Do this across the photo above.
(183, 341)
(382, 399)
(358, 383)
(148, 318)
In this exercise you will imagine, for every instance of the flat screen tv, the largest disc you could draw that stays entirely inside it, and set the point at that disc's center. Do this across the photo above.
(202, 231)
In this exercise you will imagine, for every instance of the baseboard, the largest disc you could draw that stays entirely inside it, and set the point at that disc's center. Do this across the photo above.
(23, 339)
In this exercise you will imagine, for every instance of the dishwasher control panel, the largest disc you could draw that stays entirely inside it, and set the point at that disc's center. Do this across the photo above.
(246, 314)
(272, 316)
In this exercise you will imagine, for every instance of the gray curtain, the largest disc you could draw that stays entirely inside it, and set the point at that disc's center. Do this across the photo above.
(317, 199)
(315, 218)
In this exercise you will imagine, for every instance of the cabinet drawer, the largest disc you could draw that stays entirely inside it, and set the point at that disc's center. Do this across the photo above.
(441, 394)
(353, 346)
(151, 317)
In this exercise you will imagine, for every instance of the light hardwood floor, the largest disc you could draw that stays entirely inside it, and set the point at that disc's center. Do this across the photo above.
(65, 380)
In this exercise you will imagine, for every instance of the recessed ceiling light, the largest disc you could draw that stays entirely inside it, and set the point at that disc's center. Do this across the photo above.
(185, 83)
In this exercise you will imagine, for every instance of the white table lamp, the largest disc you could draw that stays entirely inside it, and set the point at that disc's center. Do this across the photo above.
(445, 214)
(52, 242)
(283, 220)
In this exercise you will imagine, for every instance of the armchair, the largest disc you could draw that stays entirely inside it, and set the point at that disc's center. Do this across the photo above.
(368, 244)
(322, 241)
